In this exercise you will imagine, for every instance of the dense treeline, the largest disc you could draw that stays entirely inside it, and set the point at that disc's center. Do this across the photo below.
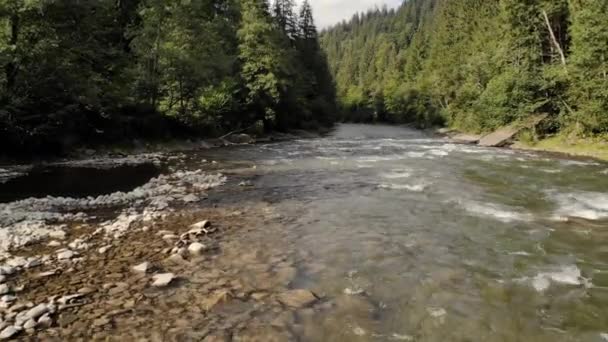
(89, 71)
(475, 64)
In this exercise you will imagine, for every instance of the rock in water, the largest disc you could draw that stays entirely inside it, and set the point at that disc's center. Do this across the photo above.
(196, 248)
(8, 332)
(163, 279)
(297, 298)
(144, 267)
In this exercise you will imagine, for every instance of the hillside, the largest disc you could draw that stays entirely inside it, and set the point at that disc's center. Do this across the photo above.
(475, 65)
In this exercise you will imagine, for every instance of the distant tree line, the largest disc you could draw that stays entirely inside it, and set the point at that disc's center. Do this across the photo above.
(86, 71)
(475, 64)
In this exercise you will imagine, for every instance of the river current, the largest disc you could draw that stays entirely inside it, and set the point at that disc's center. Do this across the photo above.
(448, 242)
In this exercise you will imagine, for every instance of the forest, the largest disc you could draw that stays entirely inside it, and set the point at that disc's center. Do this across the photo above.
(475, 65)
(83, 72)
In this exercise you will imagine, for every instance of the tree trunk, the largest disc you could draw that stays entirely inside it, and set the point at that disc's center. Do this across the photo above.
(554, 38)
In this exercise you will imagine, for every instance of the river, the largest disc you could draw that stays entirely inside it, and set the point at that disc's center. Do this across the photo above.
(450, 242)
(438, 241)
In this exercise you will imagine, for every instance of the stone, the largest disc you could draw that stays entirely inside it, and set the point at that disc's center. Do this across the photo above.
(163, 279)
(101, 322)
(104, 249)
(66, 319)
(170, 237)
(190, 198)
(69, 299)
(359, 331)
(59, 235)
(66, 255)
(503, 136)
(216, 298)
(201, 225)
(196, 248)
(2, 279)
(4, 289)
(45, 321)
(297, 298)
(86, 290)
(7, 270)
(30, 324)
(9, 332)
(8, 298)
(144, 267)
(54, 243)
(37, 311)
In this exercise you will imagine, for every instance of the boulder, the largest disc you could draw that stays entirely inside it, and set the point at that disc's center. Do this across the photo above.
(505, 135)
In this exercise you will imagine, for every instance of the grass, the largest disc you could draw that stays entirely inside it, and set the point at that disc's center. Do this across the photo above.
(588, 147)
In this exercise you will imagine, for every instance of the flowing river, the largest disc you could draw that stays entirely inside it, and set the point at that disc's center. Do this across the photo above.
(448, 242)
(414, 238)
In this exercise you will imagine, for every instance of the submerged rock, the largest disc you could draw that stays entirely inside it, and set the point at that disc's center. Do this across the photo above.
(297, 298)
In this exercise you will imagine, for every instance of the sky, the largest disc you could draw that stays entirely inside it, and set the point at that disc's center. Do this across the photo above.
(330, 12)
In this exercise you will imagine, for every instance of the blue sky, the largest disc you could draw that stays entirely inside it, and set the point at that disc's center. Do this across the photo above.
(329, 12)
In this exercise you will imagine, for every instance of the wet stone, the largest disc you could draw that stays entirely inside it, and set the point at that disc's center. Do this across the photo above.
(297, 298)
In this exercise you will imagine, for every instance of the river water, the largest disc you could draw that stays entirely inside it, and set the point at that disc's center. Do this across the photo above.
(412, 238)
(444, 241)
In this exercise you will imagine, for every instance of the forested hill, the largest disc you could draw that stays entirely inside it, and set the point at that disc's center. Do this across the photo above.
(76, 72)
(476, 64)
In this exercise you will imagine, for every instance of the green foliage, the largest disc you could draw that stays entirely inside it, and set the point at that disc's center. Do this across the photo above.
(86, 71)
(479, 64)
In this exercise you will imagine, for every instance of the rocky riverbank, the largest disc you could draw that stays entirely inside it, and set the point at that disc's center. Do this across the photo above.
(158, 262)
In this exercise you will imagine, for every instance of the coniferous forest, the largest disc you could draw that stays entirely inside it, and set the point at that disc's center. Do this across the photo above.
(76, 72)
(475, 64)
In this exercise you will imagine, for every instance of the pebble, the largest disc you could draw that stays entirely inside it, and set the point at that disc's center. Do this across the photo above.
(65, 255)
(359, 331)
(170, 237)
(8, 332)
(104, 249)
(6, 270)
(4, 289)
(54, 243)
(144, 267)
(86, 290)
(163, 279)
(45, 321)
(37, 311)
(201, 225)
(196, 248)
(30, 324)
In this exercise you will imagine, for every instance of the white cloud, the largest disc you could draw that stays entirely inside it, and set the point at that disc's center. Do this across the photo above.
(330, 12)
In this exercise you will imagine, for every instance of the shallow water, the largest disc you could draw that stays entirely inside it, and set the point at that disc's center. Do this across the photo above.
(76, 181)
(442, 241)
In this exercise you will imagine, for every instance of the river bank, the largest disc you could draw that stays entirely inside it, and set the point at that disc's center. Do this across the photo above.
(596, 148)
